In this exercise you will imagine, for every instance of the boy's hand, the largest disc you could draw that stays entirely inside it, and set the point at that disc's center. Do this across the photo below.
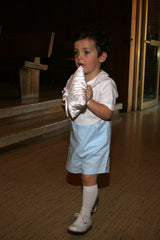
(89, 93)
(63, 104)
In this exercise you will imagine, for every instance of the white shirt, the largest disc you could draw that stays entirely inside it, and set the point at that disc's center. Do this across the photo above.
(105, 92)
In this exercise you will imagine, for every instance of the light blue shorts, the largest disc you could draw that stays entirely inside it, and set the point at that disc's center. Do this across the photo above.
(89, 148)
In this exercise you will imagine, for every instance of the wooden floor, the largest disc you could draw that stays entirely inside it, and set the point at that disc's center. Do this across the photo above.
(38, 200)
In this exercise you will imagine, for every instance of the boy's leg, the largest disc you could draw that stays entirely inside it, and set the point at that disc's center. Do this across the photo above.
(89, 180)
(90, 193)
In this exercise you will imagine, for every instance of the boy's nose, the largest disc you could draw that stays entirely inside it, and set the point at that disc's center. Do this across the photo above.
(79, 55)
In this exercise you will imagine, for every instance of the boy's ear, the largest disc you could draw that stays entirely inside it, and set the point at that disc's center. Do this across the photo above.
(103, 57)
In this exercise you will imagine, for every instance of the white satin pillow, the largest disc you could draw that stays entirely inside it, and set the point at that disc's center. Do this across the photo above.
(74, 94)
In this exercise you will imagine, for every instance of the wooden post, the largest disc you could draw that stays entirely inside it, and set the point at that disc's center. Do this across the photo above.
(30, 74)
(132, 56)
(29, 81)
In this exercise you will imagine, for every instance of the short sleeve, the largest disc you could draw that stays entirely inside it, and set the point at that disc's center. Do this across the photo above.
(108, 93)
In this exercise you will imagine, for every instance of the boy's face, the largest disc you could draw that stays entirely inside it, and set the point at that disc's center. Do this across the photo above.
(86, 55)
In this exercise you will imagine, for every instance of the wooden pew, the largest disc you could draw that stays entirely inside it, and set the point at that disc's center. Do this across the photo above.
(30, 47)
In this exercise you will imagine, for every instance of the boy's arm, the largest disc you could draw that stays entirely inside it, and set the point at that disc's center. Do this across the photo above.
(99, 109)
(63, 104)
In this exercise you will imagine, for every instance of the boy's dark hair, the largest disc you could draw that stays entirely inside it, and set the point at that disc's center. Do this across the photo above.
(102, 42)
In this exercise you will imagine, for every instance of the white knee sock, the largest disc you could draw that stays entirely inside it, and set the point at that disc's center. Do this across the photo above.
(90, 194)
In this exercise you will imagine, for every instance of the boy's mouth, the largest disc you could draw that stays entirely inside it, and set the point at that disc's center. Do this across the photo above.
(81, 64)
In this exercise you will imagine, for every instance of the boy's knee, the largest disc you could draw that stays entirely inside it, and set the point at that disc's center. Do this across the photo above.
(89, 180)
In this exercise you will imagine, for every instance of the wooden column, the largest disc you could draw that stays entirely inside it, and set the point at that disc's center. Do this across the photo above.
(30, 73)
(29, 81)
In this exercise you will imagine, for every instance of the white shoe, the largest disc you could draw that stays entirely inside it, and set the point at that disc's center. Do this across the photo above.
(94, 209)
(81, 225)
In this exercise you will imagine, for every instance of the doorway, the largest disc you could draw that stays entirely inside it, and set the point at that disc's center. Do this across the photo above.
(147, 64)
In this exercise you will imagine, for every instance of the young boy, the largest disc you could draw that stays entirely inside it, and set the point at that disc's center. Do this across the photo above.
(91, 130)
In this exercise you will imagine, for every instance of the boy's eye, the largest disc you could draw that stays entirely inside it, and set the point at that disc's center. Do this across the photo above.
(86, 52)
(75, 53)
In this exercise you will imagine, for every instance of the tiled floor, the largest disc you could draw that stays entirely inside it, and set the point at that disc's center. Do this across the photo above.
(37, 202)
